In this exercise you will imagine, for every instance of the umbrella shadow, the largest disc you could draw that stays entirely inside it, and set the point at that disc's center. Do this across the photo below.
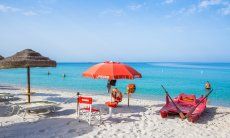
(62, 99)
(5, 86)
(45, 94)
(62, 113)
(123, 108)
(130, 109)
(11, 99)
(49, 127)
(8, 88)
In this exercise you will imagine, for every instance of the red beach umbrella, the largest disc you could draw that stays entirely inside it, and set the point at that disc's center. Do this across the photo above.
(111, 71)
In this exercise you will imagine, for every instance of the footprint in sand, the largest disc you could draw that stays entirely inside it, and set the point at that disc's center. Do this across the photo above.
(71, 131)
(42, 130)
(68, 123)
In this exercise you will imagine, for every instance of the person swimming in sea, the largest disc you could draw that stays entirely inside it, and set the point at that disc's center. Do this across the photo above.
(207, 85)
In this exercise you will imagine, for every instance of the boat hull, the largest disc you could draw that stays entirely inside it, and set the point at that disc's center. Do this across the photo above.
(185, 106)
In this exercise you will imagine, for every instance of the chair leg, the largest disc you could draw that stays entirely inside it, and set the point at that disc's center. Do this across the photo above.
(89, 118)
(24, 115)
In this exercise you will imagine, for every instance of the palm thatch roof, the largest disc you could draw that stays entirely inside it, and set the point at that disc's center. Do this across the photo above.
(26, 58)
(1, 57)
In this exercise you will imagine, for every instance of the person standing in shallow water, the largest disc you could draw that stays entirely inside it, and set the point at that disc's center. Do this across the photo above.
(63, 76)
(207, 85)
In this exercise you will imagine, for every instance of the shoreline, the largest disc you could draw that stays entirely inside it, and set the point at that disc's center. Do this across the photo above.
(141, 119)
(134, 96)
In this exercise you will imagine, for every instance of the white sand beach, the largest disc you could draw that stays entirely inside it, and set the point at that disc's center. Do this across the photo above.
(141, 119)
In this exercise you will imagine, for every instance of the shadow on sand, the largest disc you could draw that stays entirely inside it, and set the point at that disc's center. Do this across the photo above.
(62, 99)
(6, 110)
(209, 115)
(11, 99)
(62, 113)
(8, 88)
(45, 94)
(123, 108)
(51, 127)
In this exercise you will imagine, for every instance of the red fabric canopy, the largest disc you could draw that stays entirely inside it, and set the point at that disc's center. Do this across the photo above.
(111, 71)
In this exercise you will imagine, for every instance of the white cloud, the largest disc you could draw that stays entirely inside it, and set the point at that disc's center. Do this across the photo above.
(117, 12)
(225, 10)
(4, 8)
(222, 8)
(184, 11)
(206, 3)
(135, 6)
(169, 1)
(30, 13)
(190, 10)
(25, 12)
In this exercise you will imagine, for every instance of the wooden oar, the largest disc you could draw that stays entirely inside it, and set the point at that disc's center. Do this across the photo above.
(178, 109)
(194, 108)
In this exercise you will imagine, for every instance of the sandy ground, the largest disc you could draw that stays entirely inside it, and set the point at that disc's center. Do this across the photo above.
(141, 119)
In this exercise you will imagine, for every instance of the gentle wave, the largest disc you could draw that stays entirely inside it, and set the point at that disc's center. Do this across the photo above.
(194, 66)
(175, 79)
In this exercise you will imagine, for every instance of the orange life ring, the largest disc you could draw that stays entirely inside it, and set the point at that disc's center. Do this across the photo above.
(131, 88)
(117, 95)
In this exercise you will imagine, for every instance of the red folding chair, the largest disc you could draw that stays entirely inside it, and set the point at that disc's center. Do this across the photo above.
(85, 109)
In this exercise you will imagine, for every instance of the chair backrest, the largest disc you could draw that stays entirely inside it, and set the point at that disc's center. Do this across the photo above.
(85, 100)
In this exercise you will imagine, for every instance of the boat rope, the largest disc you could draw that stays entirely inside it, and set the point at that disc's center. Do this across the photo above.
(75, 96)
(68, 99)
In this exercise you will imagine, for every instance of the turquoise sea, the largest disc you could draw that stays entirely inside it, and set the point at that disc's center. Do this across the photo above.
(176, 77)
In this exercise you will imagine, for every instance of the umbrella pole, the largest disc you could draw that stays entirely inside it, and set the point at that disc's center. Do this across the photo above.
(28, 83)
(128, 98)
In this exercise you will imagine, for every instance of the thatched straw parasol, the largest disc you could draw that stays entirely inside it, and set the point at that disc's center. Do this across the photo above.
(1, 57)
(27, 59)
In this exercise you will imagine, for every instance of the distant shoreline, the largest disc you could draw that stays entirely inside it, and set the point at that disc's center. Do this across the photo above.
(36, 88)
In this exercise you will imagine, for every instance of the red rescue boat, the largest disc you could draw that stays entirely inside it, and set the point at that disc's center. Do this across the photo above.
(185, 103)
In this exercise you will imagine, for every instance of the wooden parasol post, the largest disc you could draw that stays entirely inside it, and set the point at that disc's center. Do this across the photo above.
(78, 94)
(28, 83)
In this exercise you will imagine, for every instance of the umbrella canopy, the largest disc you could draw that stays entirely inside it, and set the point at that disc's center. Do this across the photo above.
(111, 71)
(1, 57)
(27, 59)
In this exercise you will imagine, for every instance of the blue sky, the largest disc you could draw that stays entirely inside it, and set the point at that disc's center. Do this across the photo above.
(118, 30)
